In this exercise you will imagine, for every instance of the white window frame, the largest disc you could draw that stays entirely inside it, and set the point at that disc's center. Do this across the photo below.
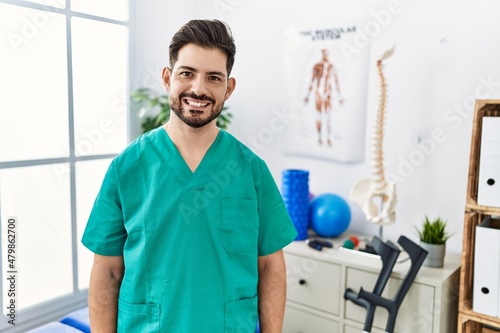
(56, 308)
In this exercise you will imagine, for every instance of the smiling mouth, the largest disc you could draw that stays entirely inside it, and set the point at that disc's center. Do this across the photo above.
(195, 103)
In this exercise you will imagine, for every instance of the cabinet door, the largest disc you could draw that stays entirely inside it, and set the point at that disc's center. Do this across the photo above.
(299, 321)
(415, 314)
(313, 283)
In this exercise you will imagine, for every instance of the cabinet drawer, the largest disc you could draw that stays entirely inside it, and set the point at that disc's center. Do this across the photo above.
(352, 329)
(313, 283)
(300, 321)
(415, 313)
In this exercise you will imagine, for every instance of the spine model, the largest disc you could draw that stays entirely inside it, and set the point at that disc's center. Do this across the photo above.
(376, 196)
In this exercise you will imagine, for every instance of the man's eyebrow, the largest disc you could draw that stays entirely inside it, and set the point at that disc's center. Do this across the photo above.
(187, 68)
(216, 73)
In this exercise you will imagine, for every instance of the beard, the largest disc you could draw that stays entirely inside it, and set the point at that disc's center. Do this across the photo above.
(192, 117)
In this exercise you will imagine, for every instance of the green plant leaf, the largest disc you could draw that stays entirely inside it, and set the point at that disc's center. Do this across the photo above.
(433, 231)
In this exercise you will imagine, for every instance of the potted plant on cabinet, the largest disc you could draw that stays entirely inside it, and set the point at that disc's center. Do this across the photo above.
(155, 109)
(433, 235)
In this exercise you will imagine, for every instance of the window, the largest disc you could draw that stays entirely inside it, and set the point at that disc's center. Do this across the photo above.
(63, 117)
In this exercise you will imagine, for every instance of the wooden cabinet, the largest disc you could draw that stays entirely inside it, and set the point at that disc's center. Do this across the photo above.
(316, 281)
(468, 320)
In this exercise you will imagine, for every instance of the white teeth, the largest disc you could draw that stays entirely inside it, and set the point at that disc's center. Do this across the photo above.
(196, 103)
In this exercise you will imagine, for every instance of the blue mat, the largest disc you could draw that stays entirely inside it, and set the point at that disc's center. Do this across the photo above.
(78, 319)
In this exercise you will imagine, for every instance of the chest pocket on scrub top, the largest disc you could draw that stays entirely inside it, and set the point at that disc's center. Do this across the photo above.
(239, 224)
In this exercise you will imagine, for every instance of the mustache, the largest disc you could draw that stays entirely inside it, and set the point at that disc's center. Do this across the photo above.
(198, 97)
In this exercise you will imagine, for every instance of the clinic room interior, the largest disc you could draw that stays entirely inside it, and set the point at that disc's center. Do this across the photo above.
(407, 134)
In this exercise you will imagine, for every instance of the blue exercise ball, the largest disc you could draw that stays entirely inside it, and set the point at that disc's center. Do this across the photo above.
(329, 215)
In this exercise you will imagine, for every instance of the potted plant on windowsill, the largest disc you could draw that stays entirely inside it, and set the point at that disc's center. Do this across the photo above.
(155, 109)
(433, 235)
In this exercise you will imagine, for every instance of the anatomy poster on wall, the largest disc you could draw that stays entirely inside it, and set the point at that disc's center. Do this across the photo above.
(327, 76)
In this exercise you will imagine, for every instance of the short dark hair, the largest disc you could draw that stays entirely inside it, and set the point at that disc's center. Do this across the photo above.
(212, 34)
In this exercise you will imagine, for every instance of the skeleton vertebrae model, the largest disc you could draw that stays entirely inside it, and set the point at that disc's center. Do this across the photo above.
(377, 196)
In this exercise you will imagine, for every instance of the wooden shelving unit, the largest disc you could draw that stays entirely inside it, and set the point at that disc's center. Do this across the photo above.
(468, 320)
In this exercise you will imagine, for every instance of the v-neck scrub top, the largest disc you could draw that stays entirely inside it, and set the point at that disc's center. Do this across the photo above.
(190, 240)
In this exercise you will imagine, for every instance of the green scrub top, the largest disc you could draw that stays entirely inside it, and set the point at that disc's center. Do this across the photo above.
(190, 241)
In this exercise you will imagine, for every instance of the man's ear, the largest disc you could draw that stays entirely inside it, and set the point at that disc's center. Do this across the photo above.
(165, 74)
(231, 84)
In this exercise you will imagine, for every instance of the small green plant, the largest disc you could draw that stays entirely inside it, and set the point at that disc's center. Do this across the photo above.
(433, 231)
(155, 109)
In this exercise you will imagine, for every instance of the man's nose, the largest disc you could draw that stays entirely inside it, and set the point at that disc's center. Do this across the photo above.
(198, 85)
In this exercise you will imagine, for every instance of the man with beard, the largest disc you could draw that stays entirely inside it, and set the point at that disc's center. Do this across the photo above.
(188, 226)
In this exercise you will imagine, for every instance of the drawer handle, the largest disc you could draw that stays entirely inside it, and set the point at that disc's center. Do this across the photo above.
(302, 282)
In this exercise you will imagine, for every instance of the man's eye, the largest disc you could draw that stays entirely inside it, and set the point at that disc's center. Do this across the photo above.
(186, 74)
(214, 78)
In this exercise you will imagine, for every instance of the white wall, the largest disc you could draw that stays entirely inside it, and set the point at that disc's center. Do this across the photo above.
(445, 51)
